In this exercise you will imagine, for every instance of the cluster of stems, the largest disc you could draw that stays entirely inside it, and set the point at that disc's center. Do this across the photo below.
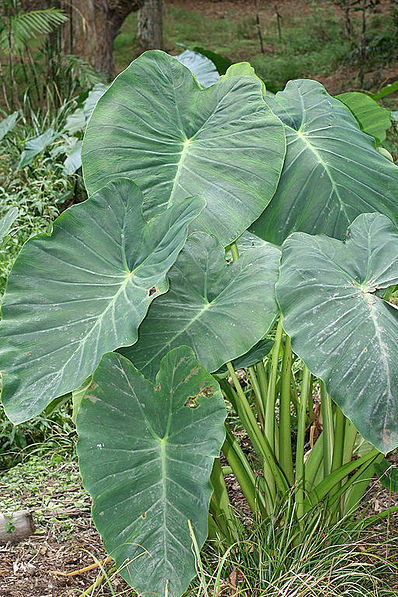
(323, 464)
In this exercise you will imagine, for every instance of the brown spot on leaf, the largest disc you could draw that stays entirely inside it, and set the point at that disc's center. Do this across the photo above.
(157, 388)
(193, 372)
(143, 515)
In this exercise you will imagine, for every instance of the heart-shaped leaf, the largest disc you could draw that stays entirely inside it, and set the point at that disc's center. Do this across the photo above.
(372, 118)
(82, 292)
(221, 310)
(36, 146)
(332, 172)
(146, 455)
(157, 126)
(345, 333)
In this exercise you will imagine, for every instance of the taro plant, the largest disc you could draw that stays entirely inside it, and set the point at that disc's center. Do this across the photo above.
(214, 239)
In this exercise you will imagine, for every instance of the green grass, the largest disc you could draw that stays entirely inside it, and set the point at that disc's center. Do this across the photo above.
(308, 46)
(48, 485)
(313, 41)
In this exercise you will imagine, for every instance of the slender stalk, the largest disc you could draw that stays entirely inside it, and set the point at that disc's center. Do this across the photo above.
(338, 442)
(294, 394)
(311, 403)
(257, 395)
(220, 506)
(285, 431)
(234, 251)
(350, 434)
(250, 423)
(302, 419)
(243, 473)
(328, 431)
(314, 465)
(269, 423)
(263, 382)
(338, 450)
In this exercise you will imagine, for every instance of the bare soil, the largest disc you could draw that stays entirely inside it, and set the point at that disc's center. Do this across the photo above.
(65, 540)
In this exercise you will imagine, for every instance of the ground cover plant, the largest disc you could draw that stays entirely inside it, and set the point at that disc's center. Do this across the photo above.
(215, 232)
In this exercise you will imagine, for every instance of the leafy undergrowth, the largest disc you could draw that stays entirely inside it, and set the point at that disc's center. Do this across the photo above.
(39, 193)
(266, 560)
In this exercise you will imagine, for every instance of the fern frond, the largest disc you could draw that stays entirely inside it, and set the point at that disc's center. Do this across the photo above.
(25, 27)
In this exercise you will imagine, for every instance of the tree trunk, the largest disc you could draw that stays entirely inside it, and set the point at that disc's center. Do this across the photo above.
(92, 28)
(150, 26)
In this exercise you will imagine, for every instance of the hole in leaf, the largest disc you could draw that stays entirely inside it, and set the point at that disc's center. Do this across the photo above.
(206, 391)
(152, 291)
(192, 401)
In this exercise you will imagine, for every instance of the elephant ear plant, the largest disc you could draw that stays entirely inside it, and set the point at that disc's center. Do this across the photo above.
(156, 287)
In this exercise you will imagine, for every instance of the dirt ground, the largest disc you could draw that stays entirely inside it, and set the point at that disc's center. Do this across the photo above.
(66, 541)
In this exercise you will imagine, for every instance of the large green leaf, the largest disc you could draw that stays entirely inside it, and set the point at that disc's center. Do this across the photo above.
(343, 331)
(332, 172)
(82, 292)
(146, 454)
(203, 68)
(156, 125)
(221, 310)
(372, 118)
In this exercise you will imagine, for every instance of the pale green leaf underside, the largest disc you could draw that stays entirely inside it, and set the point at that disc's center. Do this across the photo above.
(82, 292)
(203, 68)
(7, 221)
(157, 126)
(7, 124)
(221, 310)
(146, 455)
(332, 172)
(372, 118)
(343, 331)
